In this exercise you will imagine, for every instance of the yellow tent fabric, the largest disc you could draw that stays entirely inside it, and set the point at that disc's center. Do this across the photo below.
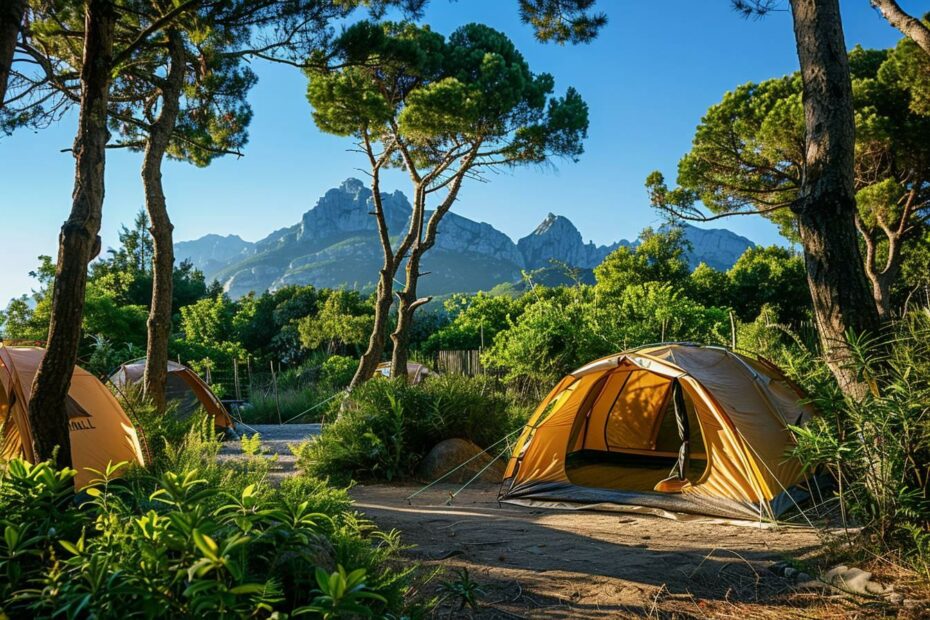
(610, 432)
(185, 388)
(101, 432)
(415, 372)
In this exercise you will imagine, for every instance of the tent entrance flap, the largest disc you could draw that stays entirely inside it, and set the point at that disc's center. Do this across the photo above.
(648, 433)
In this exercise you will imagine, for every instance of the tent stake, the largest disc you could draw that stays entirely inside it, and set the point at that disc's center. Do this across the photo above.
(475, 477)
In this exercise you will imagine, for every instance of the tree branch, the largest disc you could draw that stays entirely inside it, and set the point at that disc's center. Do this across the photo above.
(910, 26)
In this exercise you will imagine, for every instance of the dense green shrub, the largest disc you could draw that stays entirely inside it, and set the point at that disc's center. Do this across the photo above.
(338, 370)
(568, 327)
(877, 448)
(191, 539)
(385, 427)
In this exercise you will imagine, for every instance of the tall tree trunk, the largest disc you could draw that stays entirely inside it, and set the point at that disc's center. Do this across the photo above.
(78, 242)
(407, 303)
(155, 381)
(11, 20)
(826, 207)
(909, 25)
(384, 296)
(383, 300)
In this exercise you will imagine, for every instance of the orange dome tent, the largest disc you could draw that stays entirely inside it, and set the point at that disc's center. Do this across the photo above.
(101, 432)
(185, 388)
(666, 428)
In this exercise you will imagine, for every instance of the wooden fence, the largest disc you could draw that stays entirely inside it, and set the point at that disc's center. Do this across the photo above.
(459, 362)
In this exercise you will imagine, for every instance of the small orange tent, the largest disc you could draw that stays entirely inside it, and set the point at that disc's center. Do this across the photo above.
(185, 388)
(667, 428)
(415, 372)
(101, 432)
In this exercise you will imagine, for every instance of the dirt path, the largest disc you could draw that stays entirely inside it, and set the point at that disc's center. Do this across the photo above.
(276, 439)
(564, 564)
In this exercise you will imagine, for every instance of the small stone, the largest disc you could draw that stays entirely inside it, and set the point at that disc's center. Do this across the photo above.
(831, 574)
(810, 585)
(791, 572)
(802, 577)
(895, 598)
(778, 568)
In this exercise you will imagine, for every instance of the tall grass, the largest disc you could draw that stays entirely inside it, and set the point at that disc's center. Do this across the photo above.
(877, 448)
(301, 394)
(304, 403)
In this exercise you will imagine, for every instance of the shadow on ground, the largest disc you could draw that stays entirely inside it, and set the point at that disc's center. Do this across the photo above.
(566, 564)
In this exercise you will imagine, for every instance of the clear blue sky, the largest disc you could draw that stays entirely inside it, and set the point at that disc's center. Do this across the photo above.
(647, 79)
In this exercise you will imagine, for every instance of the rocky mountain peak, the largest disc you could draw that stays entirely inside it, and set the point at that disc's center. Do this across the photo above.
(335, 244)
(556, 238)
(347, 209)
(556, 225)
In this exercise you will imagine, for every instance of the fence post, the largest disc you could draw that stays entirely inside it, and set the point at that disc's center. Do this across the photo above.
(274, 383)
(248, 368)
(236, 379)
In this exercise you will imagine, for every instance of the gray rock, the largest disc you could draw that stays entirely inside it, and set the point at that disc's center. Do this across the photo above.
(451, 453)
(854, 580)
(718, 247)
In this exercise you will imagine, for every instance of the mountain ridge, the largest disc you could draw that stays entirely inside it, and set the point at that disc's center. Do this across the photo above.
(335, 244)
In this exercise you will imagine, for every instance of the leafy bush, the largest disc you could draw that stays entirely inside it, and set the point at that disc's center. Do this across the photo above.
(156, 430)
(877, 448)
(386, 426)
(568, 327)
(189, 542)
(338, 371)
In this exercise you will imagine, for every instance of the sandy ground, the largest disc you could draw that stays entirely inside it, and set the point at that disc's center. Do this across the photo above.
(533, 563)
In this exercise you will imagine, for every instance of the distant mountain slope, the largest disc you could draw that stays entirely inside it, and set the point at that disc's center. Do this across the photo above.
(336, 245)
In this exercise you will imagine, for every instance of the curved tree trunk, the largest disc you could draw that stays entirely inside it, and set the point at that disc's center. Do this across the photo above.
(78, 242)
(826, 208)
(383, 300)
(881, 279)
(407, 303)
(155, 381)
(384, 296)
(11, 20)
(909, 25)
(385, 291)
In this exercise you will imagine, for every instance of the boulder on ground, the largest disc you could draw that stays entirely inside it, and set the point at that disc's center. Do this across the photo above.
(450, 453)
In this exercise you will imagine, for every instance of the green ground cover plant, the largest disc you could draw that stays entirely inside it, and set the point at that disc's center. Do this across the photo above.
(189, 537)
